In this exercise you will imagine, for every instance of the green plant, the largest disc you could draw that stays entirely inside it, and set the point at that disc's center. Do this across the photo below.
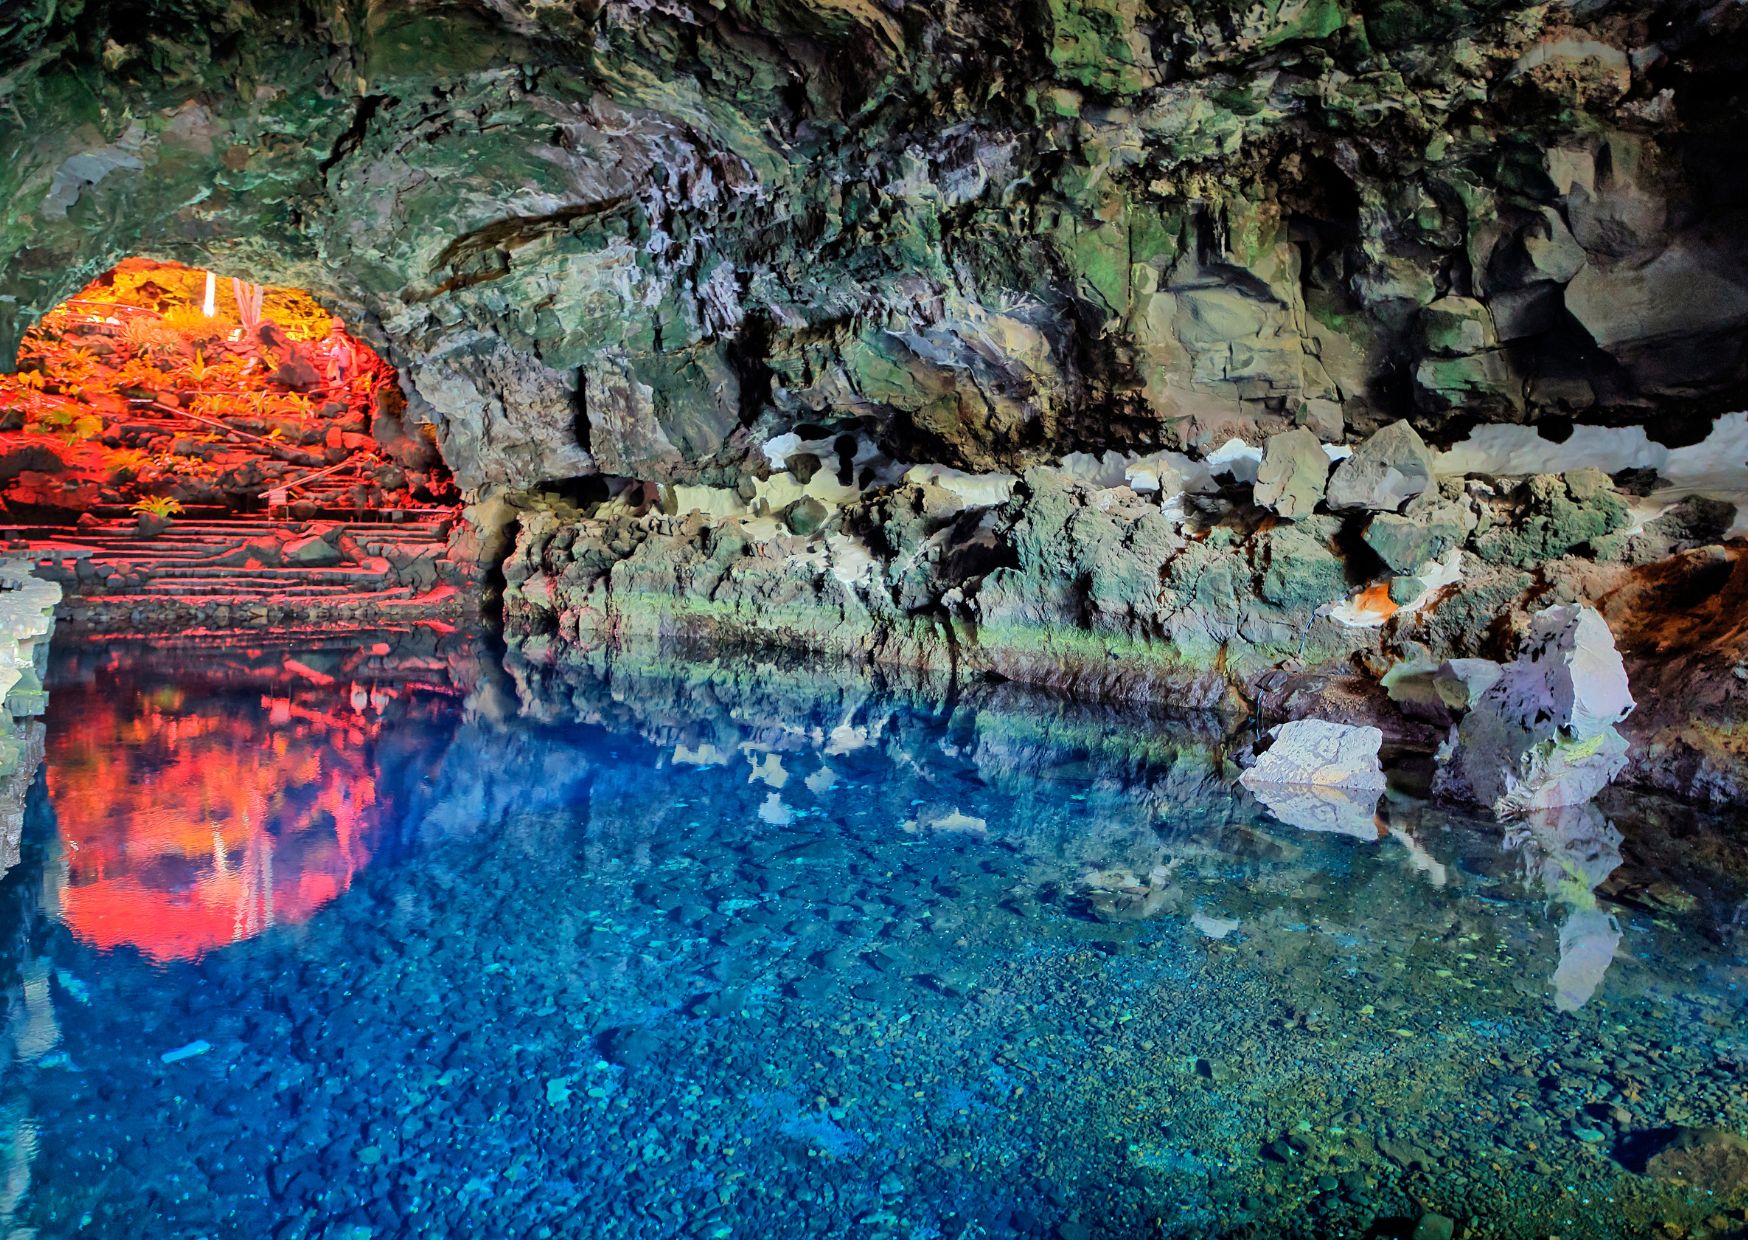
(158, 506)
(71, 426)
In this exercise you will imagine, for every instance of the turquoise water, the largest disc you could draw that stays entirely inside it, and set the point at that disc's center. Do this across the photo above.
(375, 937)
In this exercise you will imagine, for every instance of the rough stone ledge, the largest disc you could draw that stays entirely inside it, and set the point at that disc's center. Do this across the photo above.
(27, 620)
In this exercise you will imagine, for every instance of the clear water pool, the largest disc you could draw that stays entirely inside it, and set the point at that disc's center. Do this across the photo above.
(372, 937)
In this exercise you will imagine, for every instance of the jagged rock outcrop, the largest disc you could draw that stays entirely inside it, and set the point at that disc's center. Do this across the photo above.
(27, 620)
(1095, 577)
(638, 239)
(1542, 734)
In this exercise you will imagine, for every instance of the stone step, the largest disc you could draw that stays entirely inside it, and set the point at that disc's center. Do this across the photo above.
(274, 590)
(204, 557)
(142, 555)
(90, 602)
(345, 576)
(233, 531)
(97, 550)
(174, 573)
(186, 528)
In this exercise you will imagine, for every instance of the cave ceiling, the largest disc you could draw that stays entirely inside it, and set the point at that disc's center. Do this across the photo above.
(643, 237)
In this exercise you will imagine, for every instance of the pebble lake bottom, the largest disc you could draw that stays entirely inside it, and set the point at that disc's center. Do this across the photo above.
(394, 935)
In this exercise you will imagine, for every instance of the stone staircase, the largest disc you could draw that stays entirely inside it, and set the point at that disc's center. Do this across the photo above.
(252, 571)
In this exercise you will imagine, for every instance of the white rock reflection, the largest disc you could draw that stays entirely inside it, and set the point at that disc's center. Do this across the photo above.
(1215, 928)
(1568, 852)
(1316, 807)
(767, 769)
(951, 820)
(1588, 942)
(821, 781)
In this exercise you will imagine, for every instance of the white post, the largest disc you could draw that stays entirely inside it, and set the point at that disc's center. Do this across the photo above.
(209, 307)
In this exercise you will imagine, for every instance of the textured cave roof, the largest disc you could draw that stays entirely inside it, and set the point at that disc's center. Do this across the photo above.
(638, 237)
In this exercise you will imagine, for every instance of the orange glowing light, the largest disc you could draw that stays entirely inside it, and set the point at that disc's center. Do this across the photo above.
(150, 384)
(1376, 601)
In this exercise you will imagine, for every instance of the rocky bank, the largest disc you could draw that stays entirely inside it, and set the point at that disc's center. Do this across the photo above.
(27, 618)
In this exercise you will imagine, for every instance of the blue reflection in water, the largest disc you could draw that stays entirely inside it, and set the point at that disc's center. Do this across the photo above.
(412, 939)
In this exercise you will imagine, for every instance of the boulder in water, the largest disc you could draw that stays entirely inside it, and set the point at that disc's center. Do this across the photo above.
(1713, 1160)
(1543, 734)
(1317, 753)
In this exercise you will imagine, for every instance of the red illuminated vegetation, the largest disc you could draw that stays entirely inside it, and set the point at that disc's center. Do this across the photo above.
(132, 395)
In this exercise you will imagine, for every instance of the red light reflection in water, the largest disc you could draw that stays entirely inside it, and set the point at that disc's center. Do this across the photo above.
(193, 818)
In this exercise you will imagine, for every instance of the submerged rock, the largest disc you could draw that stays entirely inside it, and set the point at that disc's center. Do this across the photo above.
(1713, 1160)
(1433, 1226)
(1542, 734)
(1120, 895)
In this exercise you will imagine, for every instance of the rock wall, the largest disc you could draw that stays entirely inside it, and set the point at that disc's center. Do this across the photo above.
(1073, 578)
(27, 619)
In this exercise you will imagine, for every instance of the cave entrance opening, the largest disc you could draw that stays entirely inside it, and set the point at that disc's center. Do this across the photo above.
(180, 446)
(165, 390)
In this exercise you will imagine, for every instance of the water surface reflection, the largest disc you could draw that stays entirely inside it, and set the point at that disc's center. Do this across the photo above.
(201, 799)
(395, 936)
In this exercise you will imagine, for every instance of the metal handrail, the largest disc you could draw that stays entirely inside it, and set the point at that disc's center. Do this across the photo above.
(229, 430)
(320, 473)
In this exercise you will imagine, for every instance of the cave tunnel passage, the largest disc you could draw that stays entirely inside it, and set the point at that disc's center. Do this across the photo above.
(162, 391)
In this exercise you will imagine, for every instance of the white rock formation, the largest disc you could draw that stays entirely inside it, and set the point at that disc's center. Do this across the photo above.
(1313, 807)
(1543, 734)
(1321, 754)
(27, 617)
(1567, 854)
(1321, 776)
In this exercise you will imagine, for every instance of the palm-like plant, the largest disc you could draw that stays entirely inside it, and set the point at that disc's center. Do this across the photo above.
(158, 506)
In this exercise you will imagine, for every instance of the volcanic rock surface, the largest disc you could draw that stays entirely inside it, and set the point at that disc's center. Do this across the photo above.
(27, 619)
